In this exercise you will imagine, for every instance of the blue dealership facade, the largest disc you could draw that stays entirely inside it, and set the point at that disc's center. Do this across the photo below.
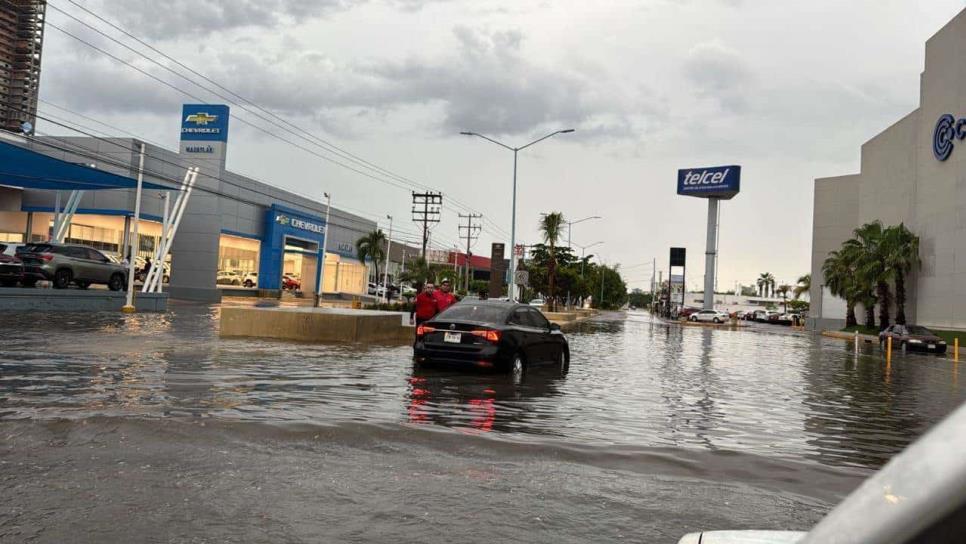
(235, 230)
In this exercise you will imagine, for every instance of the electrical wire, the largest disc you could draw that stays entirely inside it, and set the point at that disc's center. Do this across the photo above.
(305, 135)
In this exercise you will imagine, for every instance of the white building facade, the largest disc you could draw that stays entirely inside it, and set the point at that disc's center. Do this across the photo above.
(914, 172)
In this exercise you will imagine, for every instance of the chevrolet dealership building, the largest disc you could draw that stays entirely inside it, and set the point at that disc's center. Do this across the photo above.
(914, 172)
(232, 227)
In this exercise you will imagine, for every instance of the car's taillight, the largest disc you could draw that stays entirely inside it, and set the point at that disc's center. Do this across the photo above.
(46, 256)
(489, 335)
(423, 330)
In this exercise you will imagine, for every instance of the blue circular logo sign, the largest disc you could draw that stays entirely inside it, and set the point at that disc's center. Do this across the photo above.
(942, 137)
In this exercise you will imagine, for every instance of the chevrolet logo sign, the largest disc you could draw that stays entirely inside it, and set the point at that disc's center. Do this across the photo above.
(201, 118)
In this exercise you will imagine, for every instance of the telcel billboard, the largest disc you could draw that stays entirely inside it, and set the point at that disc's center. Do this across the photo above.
(204, 123)
(713, 182)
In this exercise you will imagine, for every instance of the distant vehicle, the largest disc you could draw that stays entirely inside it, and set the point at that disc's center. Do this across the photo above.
(291, 283)
(63, 264)
(686, 312)
(713, 316)
(140, 263)
(913, 337)
(408, 291)
(11, 267)
(251, 279)
(372, 288)
(228, 277)
(765, 316)
(791, 318)
(537, 302)
(492, 334)
(11, 249)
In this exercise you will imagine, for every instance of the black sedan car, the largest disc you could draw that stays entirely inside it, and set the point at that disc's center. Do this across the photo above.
(11, 268)
(913, 338)
(492, 334)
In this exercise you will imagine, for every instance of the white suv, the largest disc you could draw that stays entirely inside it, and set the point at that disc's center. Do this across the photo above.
(714, 316)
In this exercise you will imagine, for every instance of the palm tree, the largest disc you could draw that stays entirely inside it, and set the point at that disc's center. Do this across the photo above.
(783, 290)
(420, 272)
(766, 284)
(871, 269)
(900, 253)
(840, 280)
(551, 227)
(372, 246)
(803, 285)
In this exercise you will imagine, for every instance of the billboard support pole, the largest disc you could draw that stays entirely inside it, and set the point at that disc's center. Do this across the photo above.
(710, 255)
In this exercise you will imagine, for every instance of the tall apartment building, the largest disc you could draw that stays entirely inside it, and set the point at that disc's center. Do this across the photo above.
(21, 41)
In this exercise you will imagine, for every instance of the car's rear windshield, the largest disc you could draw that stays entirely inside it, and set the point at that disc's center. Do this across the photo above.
(37, 248)
(480, 313)
(916, 329)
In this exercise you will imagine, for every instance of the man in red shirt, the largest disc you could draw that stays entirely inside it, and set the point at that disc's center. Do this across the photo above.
(444, 297)
(426, 307)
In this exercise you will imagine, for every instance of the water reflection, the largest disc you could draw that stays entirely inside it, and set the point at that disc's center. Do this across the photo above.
(633, 381)
(483, 401)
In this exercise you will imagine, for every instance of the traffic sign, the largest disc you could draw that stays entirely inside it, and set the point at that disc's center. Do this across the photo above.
(522, 277)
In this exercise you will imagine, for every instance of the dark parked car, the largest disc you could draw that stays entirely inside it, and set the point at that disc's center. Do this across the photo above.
(64, 264)
(492, 334)
(913, 337)
(11, 268)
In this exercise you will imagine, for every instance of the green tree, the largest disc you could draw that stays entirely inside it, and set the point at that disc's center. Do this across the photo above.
(783, 290)
(839, 277)
(372, 246)
(551, 229)
(900, 253)
(419, 272)
(766, 284)
(867, 250)
(639, 299)
(803, 285)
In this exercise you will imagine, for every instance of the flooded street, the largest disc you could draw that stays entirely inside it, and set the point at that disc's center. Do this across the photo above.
(152, 429)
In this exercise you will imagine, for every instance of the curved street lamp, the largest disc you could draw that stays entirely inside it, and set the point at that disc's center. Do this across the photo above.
(512, 291)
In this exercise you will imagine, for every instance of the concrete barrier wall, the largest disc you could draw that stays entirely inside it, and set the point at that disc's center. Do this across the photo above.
(77, 300)
(314, 325)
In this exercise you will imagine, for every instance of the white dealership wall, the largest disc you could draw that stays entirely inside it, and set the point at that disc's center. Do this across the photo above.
(901, 180)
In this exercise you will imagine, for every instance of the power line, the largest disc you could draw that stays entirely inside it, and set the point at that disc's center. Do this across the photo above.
(472, 232)
(305, 135)
(431, 203)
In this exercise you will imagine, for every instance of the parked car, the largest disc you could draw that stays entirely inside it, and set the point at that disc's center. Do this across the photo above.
(490, 334)
(228, 277)
(11, 267)
(686, 312)
(291, 283)
(251, 279)
(765, 316)
(791, 318)
(913, 337)
(537, 303)
(140, 264)
(713, 316)
(408, 290)
(64, 264)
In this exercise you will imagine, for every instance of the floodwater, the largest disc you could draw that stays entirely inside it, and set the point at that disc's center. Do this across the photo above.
(149, 428)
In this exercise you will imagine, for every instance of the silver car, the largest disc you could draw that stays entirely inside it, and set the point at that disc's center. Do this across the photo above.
(64, 264)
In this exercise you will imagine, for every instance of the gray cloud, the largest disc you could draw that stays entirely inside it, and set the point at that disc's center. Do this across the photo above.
(718, 72)
(179, 18)
(486, 84)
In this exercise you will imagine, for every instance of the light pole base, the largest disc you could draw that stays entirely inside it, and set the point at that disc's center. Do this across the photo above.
(128, 309)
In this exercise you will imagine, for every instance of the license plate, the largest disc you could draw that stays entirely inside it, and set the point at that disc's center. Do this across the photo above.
(453, 337)
(932, 346)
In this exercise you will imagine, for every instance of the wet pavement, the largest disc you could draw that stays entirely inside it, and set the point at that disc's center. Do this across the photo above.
(150, 428)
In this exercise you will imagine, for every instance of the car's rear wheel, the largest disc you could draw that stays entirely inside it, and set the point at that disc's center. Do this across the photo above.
(83, 284)
(116, 283)
(62, 278)
(716, 320)
(517, 368)
(693, 318)
(29, 282)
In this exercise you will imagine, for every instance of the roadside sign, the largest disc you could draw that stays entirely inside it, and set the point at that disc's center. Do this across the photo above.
(713, 182)
(519, 249)
(522, 277)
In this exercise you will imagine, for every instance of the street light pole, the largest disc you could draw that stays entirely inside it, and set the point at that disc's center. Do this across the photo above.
(325, 243)
(513, 220)
(583, 250)
(385, 273)
(570, 226)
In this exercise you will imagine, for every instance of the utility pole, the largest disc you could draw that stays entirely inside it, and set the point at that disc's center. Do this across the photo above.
(426, 210)
(470, 231)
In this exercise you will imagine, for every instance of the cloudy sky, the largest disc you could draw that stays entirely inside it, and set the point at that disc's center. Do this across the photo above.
(788, 90)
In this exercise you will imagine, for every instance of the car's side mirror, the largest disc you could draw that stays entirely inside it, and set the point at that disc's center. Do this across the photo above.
(554, 327)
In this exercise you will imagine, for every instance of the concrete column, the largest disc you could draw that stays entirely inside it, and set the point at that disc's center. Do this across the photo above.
(711, 254)
(28, 235)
